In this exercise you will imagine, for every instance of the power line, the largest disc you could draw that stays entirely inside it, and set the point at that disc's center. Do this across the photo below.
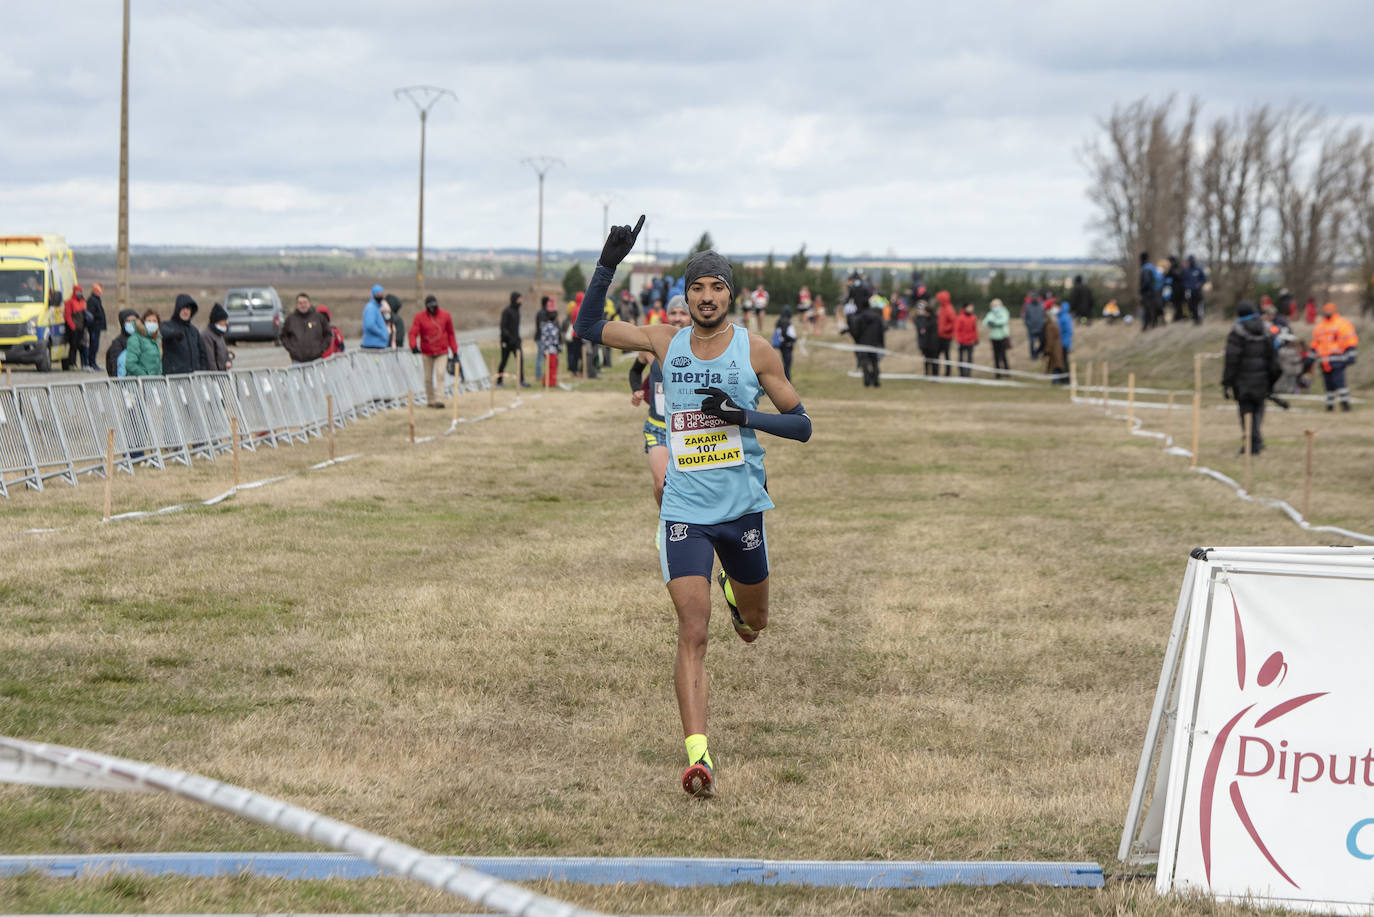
(423, 98)
(541, 165)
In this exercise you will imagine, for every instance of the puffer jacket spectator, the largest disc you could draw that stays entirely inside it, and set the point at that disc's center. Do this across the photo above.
(1251, 369)
(141, 354)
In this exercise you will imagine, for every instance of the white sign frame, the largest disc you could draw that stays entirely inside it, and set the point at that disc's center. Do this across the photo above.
(1153, 826)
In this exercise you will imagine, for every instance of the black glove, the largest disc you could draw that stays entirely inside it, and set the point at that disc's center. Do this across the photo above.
(1226, 392)
(718, 404)
(414, 350)
(619, 243)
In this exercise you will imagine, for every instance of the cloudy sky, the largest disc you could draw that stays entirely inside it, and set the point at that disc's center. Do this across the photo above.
(924, 129)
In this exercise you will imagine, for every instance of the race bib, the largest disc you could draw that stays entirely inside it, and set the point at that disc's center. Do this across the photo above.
(699, 441)
(658, 399)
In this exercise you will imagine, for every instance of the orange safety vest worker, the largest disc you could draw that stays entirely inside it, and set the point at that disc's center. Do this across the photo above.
(1334, 336)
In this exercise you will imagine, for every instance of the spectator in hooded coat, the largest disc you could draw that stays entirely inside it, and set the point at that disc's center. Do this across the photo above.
(510, 339)
(1065, 319)
(927, 341)
(141, 356)
(218, 358)
(376, 329)
(1251, 369)
(181, 348)
(127, 320)
(336, 338)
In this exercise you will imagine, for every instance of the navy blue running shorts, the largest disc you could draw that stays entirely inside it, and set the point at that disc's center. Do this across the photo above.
(689, 549)
(654, 435)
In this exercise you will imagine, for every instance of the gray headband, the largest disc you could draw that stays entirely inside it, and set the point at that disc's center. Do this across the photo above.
(709, 264)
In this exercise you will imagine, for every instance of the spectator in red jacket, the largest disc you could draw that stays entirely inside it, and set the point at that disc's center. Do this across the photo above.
(336, 338)
(966, 333)
(431, 336)
(74, 314)
(944, 325)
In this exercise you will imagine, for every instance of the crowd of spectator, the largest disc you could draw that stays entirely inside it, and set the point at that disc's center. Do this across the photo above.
(146, 345)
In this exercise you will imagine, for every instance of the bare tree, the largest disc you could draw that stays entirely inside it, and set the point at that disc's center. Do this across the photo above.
(1232, 201)
(1362, 226)
(1310, 202)
(1140, 180)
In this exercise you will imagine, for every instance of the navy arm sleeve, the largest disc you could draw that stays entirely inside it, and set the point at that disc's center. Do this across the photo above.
(636, 375)
(794, 424)
(589, 321)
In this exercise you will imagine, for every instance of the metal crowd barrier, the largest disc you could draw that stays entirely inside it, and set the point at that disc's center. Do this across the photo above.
(59, 429)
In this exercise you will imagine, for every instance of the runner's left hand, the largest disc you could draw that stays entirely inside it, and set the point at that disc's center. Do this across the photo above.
(718, 404)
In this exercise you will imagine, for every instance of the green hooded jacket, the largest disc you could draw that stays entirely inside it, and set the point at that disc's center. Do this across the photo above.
(141, 356)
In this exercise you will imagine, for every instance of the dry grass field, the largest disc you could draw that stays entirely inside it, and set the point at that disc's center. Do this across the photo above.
(465, 644)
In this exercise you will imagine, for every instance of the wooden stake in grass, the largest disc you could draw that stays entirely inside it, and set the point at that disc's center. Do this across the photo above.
(1105, 405)
(109, 470)
(1249, 426)
(234, 438)
(1169, 422)
(1197, 424)
(1310, 436)
(410, 414)
(1197, 374)
(1073, 381)
(1130, 401)
(1088, 380)
(492, 387)
(456, 387)
(329, 409)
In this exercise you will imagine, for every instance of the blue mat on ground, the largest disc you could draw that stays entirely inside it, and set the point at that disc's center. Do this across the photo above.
(681, 872)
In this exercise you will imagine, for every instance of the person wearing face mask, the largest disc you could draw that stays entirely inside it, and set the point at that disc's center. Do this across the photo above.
(218, 358)
(376, 331)
(115, 351)
(431, 336)
(141, 354)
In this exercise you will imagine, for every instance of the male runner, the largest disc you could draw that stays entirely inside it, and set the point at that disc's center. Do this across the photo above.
(655, 427)
(715, 492)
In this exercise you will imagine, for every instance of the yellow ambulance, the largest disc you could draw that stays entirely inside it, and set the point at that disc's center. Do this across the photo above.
(37, 274)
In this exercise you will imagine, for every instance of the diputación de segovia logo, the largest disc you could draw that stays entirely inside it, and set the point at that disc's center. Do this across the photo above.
(1258, 755)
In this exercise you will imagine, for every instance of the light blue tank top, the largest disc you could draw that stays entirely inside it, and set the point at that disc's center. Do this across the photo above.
(715, 470)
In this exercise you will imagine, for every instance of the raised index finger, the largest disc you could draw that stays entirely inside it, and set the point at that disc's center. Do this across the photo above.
(639, 226)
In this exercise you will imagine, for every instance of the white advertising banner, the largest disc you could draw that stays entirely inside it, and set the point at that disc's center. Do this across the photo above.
(1271, 770)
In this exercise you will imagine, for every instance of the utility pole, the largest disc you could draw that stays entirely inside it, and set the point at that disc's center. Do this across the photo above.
(606, 200)
(423, 98)
(122, 297)
(541, 166)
